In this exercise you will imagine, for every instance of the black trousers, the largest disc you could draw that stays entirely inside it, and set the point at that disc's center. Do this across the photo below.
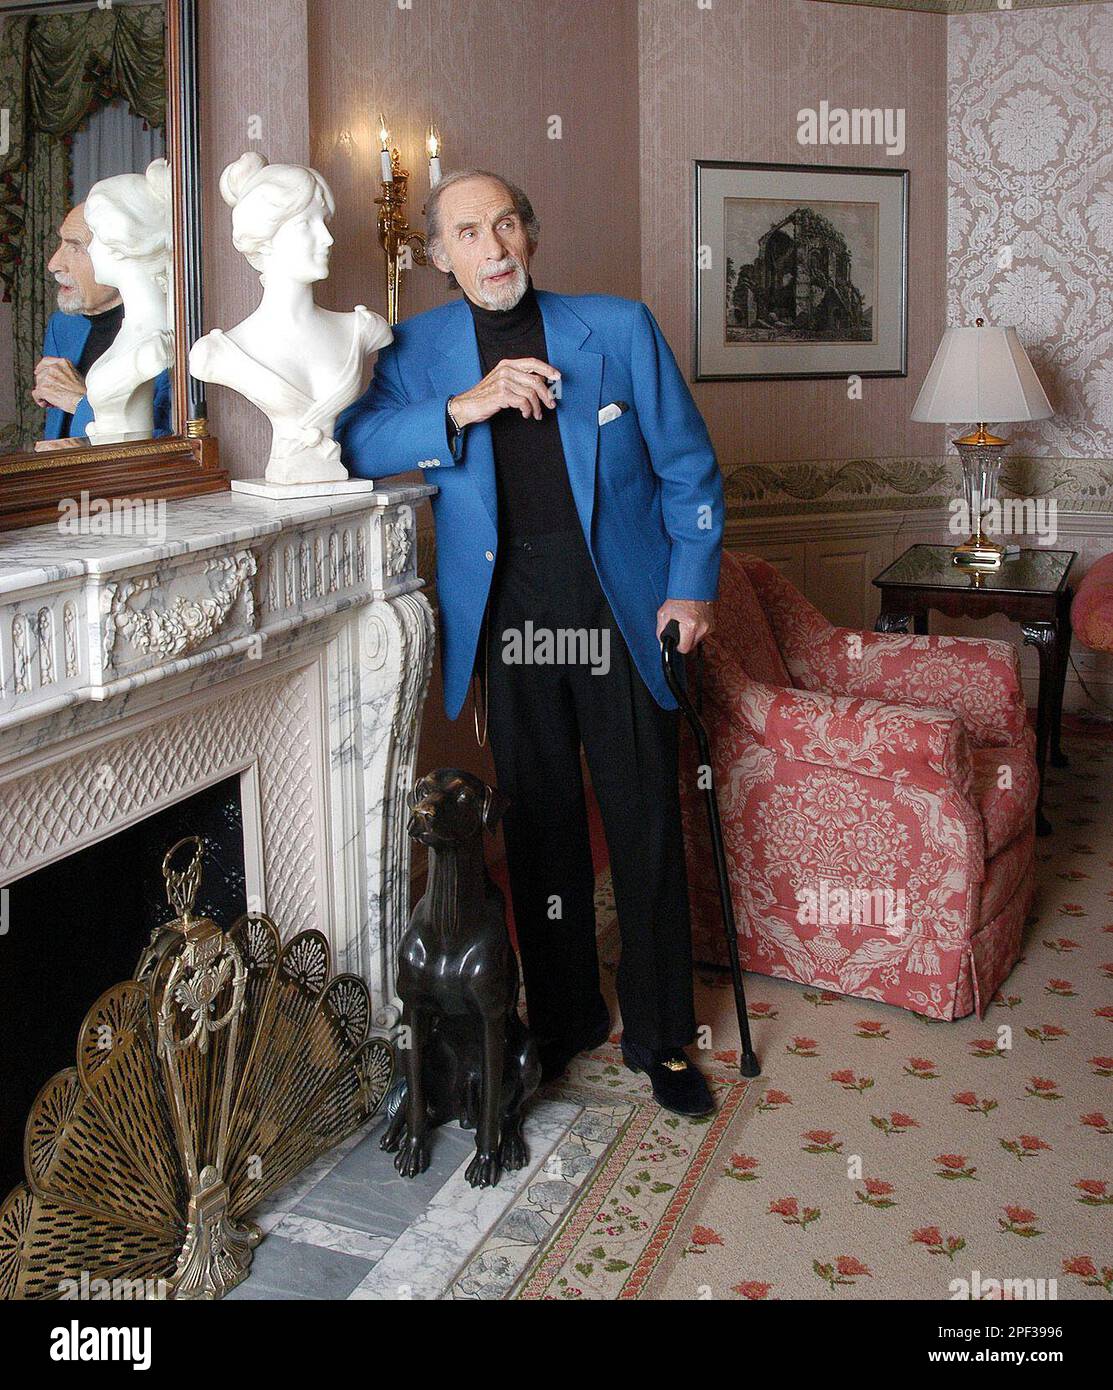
(539, 713)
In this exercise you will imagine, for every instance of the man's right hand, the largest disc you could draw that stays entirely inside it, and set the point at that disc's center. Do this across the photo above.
(516, 383)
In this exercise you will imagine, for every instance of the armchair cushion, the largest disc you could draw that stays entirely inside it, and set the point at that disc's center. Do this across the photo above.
(923, 748)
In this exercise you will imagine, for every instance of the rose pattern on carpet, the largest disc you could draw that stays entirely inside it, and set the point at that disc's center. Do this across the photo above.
(882, 1154)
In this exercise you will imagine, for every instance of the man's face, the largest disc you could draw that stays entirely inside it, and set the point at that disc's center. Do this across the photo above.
(78, 291)
(484, 243)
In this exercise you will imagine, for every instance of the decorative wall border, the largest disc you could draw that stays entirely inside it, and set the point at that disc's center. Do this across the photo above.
(895, 484)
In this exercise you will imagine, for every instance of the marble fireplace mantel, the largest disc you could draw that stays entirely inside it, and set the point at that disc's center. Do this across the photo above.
(288, 642)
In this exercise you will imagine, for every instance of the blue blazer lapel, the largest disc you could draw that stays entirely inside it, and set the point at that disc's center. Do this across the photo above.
(458, 370)
(581, 381)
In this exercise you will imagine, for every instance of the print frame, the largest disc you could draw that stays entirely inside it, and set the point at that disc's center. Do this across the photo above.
(800, 271)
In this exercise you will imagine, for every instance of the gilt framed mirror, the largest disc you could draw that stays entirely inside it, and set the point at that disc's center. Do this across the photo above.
(100, 265)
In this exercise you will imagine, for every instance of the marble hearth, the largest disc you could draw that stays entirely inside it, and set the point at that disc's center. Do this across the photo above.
(288, 643)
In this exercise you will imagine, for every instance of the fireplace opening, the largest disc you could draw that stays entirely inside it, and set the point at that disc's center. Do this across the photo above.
(77, 927)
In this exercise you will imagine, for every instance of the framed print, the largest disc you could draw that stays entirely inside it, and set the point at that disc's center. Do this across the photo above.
(801, 271)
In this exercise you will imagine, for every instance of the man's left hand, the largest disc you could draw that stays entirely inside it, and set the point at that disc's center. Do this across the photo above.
(58, 383)
(696, 618)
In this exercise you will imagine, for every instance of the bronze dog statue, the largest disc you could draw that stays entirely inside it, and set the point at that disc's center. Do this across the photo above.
(469, 1056)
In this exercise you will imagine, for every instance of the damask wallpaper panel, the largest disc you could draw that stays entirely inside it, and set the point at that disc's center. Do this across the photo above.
(1030, 207)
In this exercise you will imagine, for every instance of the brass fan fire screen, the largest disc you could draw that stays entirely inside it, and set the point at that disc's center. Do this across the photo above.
(202, 1086)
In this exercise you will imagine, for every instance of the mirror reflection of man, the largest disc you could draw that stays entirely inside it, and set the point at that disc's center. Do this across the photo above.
(605, 506)
(87, 320)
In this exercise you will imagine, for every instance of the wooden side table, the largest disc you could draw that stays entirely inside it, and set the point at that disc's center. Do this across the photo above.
(1031, 590)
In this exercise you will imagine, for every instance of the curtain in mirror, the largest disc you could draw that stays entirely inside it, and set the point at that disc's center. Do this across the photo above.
(56, 72)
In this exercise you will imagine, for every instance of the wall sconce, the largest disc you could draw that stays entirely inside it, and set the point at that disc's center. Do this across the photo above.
(402, 246)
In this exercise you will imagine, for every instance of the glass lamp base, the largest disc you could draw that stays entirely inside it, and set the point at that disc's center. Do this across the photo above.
(980, 456)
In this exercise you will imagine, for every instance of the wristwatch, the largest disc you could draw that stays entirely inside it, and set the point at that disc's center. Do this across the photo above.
(456, 425)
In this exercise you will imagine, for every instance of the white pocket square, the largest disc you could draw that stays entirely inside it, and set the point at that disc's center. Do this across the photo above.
(612, 412)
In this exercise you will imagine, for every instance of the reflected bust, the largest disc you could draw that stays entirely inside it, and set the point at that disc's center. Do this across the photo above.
(301, 365)
(128, 217)
(89, 91)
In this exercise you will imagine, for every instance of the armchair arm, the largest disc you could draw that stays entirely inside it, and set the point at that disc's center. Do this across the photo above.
(923, 748)
(978, 678)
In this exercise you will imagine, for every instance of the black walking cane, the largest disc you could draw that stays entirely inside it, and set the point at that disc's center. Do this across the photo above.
(670, 636)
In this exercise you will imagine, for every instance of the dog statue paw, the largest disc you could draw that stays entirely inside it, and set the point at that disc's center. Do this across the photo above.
(513, 1153)
(395, 1132)
(412, 1156)
(484, 1170)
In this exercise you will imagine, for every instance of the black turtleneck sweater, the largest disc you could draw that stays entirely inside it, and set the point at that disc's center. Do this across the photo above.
(102, 333)
(534, 494)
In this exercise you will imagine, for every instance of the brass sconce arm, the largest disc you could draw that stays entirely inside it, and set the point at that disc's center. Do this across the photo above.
(402, 246)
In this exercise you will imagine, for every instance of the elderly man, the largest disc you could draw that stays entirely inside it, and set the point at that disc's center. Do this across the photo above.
(579, 509)
(88, 318)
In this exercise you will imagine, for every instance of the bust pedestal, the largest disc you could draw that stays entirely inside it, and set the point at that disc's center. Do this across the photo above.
(283, 492)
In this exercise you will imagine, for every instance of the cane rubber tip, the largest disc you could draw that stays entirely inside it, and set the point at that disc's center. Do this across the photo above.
(749, 1065)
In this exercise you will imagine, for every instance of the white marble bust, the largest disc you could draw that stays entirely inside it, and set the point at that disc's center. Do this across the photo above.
(300, 364)
(130, 249)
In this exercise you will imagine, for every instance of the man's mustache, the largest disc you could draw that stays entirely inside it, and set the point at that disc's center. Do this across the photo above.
(511, 263)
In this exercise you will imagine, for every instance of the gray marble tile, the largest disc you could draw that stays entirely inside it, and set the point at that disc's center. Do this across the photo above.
(363, 1192)
(291, 1269)
(267, 1215)
(426, 1257)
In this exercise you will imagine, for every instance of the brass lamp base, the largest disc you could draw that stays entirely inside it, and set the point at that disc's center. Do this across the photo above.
(978, 553)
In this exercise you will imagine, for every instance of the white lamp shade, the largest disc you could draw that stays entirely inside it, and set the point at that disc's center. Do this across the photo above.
(979, 375)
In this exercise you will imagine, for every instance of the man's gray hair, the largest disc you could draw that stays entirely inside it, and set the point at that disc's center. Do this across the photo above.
(434, 232)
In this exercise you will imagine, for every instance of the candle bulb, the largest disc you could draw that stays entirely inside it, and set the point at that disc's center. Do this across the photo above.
(433, 146)
(384, 154)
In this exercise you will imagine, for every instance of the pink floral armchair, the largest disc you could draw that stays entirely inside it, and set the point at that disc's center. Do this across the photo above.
(878, 797)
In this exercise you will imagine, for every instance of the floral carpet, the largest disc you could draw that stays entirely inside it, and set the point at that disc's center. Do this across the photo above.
(881, 1155)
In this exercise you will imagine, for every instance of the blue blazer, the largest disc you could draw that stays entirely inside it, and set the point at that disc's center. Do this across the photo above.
(66, 336)
(646, 485)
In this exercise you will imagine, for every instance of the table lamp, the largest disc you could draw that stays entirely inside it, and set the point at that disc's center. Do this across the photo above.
(980, 374)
